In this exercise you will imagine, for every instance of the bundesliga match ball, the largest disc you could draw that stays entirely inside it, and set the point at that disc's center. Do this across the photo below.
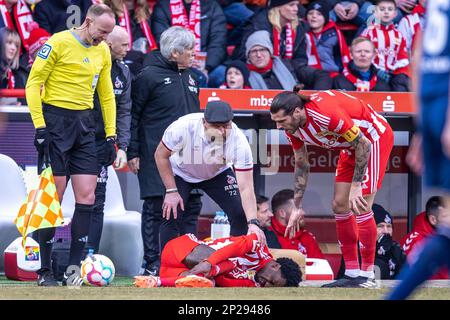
(97, 270)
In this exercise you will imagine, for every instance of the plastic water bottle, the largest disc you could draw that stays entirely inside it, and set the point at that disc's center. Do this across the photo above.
(220, 228)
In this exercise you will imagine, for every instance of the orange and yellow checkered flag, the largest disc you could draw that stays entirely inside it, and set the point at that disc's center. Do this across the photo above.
(42, 208)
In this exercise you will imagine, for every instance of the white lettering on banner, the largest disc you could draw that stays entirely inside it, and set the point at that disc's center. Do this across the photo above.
(388, 105)
(261, 101)
(213, 97)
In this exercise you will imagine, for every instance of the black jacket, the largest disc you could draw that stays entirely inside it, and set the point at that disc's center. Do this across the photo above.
(121, 80)
(52, 14)
(272, 239)
(389, 258)
(341, 82)
(161, 94)
(260, 21)
(213, 30)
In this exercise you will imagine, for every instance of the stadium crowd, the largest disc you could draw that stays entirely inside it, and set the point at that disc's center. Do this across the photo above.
(252, 44)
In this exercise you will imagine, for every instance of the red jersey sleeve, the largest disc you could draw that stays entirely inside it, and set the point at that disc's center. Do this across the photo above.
(295, 142)
(223, 281)
(222, 267)
(240, 246)
(311, 245)
(336, 119)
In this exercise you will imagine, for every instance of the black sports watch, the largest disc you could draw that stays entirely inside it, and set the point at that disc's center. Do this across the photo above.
(255, 222)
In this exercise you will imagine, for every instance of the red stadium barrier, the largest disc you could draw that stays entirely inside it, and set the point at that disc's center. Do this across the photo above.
(12, 93)
(259, 100)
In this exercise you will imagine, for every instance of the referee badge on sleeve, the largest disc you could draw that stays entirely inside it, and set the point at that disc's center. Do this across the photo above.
(45, 51)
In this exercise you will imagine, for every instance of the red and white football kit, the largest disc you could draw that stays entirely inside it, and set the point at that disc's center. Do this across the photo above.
(333, 120)
(233, 264)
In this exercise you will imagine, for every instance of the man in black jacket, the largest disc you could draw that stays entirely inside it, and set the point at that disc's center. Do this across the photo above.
(165, 90)
(118, 43)
(212, 36)
(58, 15)
(361, 74)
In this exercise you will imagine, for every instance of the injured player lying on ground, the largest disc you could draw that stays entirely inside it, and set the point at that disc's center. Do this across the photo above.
(228, 262)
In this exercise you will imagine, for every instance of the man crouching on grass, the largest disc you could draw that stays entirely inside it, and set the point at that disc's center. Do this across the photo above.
(227, 262)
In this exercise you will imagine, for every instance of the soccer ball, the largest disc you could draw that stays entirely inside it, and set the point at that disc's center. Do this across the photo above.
(97, 270)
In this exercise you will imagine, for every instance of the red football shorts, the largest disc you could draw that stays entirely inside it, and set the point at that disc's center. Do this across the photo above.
(174, 252)
(376, 168)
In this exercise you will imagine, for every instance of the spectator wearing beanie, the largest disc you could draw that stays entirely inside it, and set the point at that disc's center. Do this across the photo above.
(266, 70)
(325, 44)
(287, 34)
(236, 76)
(389, 256)
(361, 74)
(36, 40)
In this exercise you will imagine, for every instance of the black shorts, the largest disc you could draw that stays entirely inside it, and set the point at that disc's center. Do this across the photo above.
(72, 141)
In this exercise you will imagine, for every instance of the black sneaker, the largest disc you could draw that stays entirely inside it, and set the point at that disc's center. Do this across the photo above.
(151, 269)
(46, 279)
(346, 282)
(368, 283)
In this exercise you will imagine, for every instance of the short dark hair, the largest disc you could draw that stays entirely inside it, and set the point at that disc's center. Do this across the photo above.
(432, 206)
(377, 2)
(290, 271)
(260, 199)
(281, 198)
(288, 101)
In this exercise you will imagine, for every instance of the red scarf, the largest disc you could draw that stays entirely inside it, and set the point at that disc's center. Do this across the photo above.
(22, 18)
(311, 49)
(360, 85)
(285, 243)
(124, 21)
(290, 42)
(11, 80)
(261, 70)
(180, 18)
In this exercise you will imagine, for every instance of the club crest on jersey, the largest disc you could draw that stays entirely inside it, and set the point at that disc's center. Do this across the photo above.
(231, 179)
(45, 51)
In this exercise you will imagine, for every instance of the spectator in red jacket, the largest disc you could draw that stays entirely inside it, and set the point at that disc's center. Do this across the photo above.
(304, 241)
(424, 226)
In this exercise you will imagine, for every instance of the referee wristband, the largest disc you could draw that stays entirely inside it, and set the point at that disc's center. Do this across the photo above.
(173, 190)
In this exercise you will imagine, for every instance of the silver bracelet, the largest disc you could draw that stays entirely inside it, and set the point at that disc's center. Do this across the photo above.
(173, 190)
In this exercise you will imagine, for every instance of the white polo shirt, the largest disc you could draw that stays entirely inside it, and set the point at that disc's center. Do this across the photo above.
(195, 158)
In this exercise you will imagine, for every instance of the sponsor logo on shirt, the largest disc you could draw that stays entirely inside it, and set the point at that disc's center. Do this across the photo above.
(45, 51)
(167, 81)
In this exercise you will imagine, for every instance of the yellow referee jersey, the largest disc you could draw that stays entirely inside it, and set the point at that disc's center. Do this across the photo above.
(70, 72)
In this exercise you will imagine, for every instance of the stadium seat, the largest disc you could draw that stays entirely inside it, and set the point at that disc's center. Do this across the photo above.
(121, 237)
(13, 194)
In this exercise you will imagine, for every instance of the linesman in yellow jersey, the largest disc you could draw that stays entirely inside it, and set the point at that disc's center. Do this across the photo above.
(71, 66)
